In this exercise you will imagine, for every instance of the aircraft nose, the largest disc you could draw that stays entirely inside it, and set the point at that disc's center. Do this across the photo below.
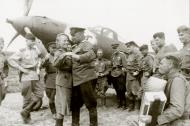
(19, 23)
(9, 21)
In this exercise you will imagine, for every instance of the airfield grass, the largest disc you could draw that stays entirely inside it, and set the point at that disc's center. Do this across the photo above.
(107, 116)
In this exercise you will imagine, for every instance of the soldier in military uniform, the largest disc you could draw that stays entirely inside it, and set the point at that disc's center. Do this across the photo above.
(184, 53)
(102, 68)
(146, 64)
(154, 46)
(133, 81)
(3, 71)
(27, 61)
(63, 64)
(177, 91)
(83, 75)
(118, 75)
(50, 76)
(163, 49)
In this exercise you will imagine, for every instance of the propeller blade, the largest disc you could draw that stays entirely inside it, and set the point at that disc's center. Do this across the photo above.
(27, 7)
(14, 37)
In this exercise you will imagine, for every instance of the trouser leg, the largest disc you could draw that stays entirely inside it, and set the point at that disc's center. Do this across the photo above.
(26, 93)
(130, 101)
(123, 100)
(76, 103)
(75, 116)
(93, 117)
(51, 96)
(89, 98)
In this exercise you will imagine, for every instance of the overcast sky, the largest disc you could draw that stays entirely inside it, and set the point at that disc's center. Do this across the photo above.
(132, 19)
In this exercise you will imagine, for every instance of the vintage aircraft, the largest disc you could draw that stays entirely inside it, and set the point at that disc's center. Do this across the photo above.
(46, 30)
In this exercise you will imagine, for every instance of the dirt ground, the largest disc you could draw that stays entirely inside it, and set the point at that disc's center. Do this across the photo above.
(107, 116)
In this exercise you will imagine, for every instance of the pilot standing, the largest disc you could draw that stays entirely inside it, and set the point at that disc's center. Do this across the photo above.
(3, 71)
(27, 61)
(83, 77)
(133, 69)
(118, 75)
(102, 68)
(146, 64)
(50, 77)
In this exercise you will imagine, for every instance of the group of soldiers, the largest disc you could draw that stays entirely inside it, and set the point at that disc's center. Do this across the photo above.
(77, 74)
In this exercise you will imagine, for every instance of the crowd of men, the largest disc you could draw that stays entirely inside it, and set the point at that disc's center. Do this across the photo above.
(77, 74)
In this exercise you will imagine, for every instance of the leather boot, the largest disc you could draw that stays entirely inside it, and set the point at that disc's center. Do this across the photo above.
(25, 113)
(93, 117)
(137, 105)
(75, 117)
(124, 105)
(59, 122)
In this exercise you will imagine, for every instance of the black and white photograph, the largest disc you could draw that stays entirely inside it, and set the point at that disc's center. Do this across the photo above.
(94, 62)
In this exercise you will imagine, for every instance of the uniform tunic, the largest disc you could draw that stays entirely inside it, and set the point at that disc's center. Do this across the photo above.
(118, 70)
(28, 58)
(146, 67)
(177, 107)
(83, 70)
(50, 73)
(102, 66)
(133, 65)
(184, 55)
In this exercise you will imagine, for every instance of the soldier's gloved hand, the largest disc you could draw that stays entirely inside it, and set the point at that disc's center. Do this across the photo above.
(145, 119)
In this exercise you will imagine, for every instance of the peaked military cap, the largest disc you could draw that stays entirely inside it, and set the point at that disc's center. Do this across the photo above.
(62, 34)
(131, 43)
(114, 45)
(74, 30)
(51, 43)
(30, 36)
(143, 47)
